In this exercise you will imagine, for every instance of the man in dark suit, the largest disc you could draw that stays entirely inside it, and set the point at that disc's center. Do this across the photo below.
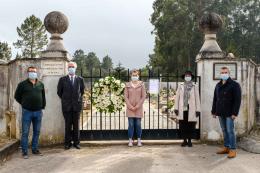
(70, 90)
(226, 104)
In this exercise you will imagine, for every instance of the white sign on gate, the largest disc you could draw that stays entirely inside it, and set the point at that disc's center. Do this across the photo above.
(154, 86)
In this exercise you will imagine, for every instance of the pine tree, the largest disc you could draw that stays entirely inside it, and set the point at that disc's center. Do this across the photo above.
(5, 51)
(106, 64)
(33, 37)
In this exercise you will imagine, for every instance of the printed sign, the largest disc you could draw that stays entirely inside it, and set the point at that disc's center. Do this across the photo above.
(52, 68)
(154, 86)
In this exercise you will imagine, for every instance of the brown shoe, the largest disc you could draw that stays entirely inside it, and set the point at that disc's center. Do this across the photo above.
(223, 150)
(232, 154)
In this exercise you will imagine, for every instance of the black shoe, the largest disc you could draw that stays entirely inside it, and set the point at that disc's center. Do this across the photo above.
(189, 143)
(25, 156)
(77, 146)
(37, 152)
(184, 143)
(67, 147)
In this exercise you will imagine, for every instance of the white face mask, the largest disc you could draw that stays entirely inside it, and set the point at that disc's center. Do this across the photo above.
(134, 78)
(187, 78)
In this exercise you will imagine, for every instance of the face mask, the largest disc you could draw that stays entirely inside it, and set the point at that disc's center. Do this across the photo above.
(72, 70)
(134, 78)
(32, 75)
(224, 76)
(187, 78)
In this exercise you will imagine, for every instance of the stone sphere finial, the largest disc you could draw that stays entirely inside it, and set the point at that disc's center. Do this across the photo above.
(56, 22)
(210, 23)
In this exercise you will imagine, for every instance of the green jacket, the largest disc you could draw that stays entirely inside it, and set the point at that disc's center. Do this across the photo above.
(31, 97)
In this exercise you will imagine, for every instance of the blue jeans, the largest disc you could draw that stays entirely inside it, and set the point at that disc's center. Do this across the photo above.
(134, 124)
(28, 117)
(227, 126)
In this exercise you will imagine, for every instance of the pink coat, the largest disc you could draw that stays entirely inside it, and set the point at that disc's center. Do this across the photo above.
(134, 98)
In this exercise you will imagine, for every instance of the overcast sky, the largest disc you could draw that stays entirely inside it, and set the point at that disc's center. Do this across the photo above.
(118, 28)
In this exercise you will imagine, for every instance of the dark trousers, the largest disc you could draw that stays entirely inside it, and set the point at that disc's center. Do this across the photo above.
(186, 127)
(71, 127)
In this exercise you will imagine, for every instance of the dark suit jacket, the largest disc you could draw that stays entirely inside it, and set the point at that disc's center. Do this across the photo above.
(71, 96)
(227, 99)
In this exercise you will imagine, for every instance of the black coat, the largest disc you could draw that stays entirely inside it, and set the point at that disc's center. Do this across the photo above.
(227, 99)
(71, 96)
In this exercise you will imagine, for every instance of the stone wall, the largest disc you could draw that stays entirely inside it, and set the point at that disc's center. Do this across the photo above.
(11, 74)
(258, 93)
(3, 96)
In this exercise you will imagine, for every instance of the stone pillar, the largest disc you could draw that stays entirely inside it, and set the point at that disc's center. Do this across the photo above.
(258, 94)
(3, 94)
(209, 60)
(53, 63)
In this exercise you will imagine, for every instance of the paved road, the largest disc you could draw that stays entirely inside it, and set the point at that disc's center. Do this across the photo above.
(121, 159)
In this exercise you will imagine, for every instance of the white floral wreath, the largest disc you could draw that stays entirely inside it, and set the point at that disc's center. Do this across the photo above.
(108, 95)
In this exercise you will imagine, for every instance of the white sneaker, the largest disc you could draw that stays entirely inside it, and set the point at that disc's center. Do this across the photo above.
(130, 144)
(139, 143)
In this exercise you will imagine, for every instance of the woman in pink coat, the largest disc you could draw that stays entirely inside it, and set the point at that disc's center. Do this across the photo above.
(135, 95)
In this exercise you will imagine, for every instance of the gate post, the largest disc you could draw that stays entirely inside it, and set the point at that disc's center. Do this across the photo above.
(209, 61)
(53, 65)
(209, 53)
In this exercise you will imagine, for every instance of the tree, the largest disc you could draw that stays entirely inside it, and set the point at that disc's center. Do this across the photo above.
(33, 37)
(178, 39)
(120, 72)
(79, 57)
(5, 51)
(18, 56)
(92, 64)
(106, 64)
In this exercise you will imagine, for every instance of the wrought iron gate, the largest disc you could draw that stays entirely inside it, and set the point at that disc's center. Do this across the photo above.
(158, 122)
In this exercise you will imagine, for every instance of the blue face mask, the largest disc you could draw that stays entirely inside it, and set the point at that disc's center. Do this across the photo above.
(72, 70)
(32, 75)
(134, 78)
(224, 76)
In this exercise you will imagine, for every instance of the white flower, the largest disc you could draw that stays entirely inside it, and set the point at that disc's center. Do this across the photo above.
(117, 82)
(106, 92)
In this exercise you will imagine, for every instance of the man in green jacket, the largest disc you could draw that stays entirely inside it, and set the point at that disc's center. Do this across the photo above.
(30, 94)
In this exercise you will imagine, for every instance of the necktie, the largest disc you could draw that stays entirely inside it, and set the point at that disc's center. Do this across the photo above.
(71, 80)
